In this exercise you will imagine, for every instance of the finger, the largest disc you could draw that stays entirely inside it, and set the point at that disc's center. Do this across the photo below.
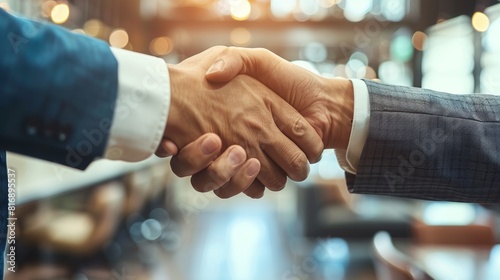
(285, 154)
(196, 156)
(292, 124)
(242, 180)
(271, 174)
(276, 73)
(220, 171)
(271, 69)
(281, 152)
(256, 62)
(167, 148)
(255, 190)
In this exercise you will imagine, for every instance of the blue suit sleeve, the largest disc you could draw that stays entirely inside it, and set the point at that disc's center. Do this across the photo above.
(57, 92)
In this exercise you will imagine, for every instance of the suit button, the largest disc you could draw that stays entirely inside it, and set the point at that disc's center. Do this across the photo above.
(33, 126)
(64, 132)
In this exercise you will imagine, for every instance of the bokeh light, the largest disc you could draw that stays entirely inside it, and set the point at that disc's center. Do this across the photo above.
(418, 40)
(480, 22)
(356, 10)
(355, 69)
(328, 3)
(60, 13)
(240, 37)
(282, 8)
(402, 48)
(161, 46)
(359, 56)
(93, 27)
(315, 52)
(240, 10)
(118, 38)
(393, 10)
(309, 7)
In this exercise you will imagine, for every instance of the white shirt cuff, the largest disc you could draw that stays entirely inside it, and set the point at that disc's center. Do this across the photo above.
(141, 108)
(349, 159)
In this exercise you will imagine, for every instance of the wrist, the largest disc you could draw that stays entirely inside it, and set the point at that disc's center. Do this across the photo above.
(180, 110)
(340, 112)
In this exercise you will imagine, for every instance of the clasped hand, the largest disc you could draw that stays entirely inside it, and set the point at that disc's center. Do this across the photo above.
(277, 119)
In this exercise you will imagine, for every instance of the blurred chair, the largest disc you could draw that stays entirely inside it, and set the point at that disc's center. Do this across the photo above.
(328, 209)
(475, 234)
(79, 232)
(391, 264)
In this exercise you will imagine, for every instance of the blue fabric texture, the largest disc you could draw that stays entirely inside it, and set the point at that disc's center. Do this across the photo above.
(57, 92)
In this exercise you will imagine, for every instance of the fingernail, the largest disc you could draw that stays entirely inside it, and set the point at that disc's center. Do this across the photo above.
(209, 146)
(217, 66)
(252, 169)
(235, 158)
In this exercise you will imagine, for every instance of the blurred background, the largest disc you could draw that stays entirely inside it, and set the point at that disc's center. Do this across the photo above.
(139, 221)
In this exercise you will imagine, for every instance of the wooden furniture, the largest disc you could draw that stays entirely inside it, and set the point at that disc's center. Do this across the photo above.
(475, 234)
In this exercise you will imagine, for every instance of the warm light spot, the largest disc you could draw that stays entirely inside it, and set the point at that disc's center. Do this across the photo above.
(282, 8)
(370, 73)
(5, 6)
(418, 40)
(240, 36)
(78, 31)
(60, 13)
(240, 10)
(328, 3)
(47, 7)
(480, 22)
(93, 27)
(118, 38)
(161, 46)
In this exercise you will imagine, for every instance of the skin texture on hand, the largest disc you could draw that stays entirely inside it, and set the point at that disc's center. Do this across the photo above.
(327, 104)
(242, 112)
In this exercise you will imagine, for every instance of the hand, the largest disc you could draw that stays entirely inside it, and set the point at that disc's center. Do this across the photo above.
(242, 112)
(327, 104)
(205, 152)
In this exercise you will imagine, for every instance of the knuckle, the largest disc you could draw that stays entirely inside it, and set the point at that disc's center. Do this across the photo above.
(277, 183)
(299, 127)
(298, 166)
(217, 176)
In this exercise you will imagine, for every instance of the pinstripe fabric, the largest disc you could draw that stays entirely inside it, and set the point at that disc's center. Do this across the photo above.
(430, 145)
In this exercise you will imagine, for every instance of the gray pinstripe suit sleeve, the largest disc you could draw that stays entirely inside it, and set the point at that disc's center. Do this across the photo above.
(430, 145)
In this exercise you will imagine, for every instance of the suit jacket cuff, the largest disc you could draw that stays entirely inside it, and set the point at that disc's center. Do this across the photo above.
(141, 108)
(349, 159)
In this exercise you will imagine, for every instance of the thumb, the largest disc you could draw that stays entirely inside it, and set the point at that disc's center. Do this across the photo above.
(225, 68)
(279, 75)
(257, 63)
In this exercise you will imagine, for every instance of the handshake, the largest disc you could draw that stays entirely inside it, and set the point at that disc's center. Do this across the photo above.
(269, 116)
